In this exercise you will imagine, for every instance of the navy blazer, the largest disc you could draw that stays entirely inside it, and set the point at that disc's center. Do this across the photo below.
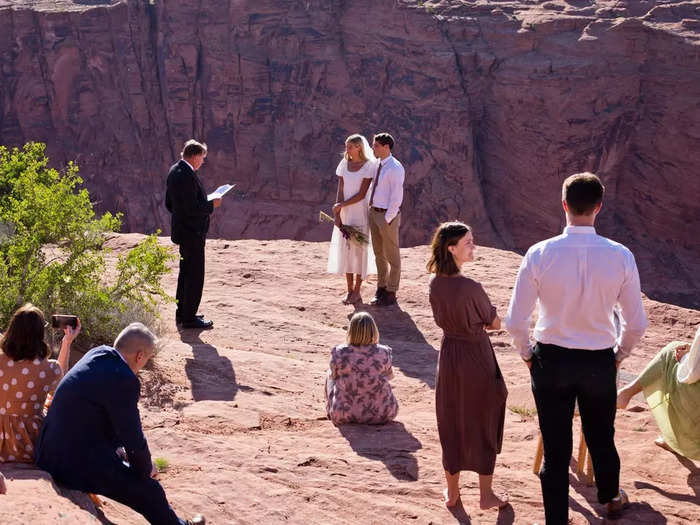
(94, 411)
(187, 201)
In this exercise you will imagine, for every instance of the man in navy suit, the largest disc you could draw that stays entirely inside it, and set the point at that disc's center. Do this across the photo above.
(187, 201)
(94, 413)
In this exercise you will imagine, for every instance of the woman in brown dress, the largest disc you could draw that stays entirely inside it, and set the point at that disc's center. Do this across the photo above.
(470, 394)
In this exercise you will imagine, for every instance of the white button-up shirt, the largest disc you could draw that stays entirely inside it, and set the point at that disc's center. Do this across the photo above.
(578, 277)
(389, 192)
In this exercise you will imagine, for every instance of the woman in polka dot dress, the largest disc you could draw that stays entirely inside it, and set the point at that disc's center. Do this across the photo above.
(27, 375)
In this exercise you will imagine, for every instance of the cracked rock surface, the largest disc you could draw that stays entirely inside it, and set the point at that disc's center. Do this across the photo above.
(492, 105)
(238, 411)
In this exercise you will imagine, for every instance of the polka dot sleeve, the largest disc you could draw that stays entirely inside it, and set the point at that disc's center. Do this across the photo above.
(55, 375)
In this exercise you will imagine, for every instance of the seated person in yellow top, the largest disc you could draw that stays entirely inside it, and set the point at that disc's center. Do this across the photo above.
(671, 386)
(27, 376)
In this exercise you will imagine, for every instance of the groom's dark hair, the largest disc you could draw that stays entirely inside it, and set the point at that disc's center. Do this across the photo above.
(583, 192)
(385, 139)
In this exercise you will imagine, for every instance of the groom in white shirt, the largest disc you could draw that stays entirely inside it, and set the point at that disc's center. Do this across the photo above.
(385, 219)
(578, 277)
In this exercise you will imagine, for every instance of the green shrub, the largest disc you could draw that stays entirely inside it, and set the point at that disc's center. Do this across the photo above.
(161, 464)
(52, 251)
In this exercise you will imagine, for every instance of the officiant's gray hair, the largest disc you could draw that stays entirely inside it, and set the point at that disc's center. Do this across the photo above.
(192, 148)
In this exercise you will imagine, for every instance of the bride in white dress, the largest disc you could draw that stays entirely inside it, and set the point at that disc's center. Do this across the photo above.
(355, 173)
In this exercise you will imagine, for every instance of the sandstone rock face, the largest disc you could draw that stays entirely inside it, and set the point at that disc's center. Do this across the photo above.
(492, 105)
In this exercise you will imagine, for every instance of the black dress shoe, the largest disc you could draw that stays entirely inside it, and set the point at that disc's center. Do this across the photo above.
(180, 321)
(387, 299)
(197, 323)
(378, 296)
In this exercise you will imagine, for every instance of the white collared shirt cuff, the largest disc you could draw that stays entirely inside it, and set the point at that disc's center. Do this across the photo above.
(389, 217)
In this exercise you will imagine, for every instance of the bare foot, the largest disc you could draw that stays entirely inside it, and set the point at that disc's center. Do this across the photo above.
(450, 501)
(659, 442)
(347, 298)
(355, 297)
(623, 398)
(3, 487)
(492, 500)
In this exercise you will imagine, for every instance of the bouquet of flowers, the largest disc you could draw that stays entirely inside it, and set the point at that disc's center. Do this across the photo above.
(349, 232)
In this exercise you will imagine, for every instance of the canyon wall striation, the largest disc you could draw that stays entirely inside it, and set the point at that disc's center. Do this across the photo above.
(492, 105)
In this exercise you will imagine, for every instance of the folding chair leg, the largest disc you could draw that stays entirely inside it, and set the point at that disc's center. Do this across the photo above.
(589, 470)
(582, 449)
(539, 454)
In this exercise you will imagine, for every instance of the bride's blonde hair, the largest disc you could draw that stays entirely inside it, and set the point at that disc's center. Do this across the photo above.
(365, 151)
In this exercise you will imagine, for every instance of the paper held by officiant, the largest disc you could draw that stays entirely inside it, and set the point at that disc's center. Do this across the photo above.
(220, 191)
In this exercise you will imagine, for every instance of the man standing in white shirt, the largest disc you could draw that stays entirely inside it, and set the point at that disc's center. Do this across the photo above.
(578, 277)
(385, 218)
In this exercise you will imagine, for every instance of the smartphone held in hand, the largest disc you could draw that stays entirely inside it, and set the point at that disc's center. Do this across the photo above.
(61, 321)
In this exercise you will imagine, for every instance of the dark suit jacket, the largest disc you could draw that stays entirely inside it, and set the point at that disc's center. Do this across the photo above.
(94, 411)
(186, 199)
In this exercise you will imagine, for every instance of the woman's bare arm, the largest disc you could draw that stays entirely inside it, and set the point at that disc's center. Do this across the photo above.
(339, 195)
(360, 195)
(338, 200)
(69, 336)
(495, 324)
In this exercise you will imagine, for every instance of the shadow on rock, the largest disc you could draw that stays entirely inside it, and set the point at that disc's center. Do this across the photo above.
(506, 516)
(391, 444)
(459, 513)
(686, 498)
(25, 471)
(638, 511)
(411, 353)
(211, 375)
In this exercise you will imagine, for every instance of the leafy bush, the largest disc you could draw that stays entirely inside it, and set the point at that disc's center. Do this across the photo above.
(52, 250)
(161, 464)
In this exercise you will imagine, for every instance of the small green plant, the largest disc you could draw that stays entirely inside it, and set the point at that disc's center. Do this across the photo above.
(52, 250)
(523, 411)
(161, 464)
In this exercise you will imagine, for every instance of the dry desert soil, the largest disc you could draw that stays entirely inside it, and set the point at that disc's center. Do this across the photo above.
(238, 411)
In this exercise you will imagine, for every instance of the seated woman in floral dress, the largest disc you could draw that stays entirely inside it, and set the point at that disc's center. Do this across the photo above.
(671, 386)
(27, 376)
(357, 385)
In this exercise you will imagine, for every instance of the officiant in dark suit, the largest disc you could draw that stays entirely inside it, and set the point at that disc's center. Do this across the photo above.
(187, 201)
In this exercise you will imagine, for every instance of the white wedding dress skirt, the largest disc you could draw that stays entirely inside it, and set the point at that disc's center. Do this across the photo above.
(345, 255)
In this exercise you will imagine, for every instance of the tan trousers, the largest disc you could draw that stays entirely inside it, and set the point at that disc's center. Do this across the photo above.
(385, 242)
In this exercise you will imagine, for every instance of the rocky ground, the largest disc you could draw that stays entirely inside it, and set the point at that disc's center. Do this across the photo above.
(492, 104)
(238, 411)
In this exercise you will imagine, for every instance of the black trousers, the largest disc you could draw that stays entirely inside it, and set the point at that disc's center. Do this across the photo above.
(144, 495)
(560, 377)
(118, 481)
(190, 281)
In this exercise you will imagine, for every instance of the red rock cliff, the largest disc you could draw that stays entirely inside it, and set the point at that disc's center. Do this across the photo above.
(492, 105)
